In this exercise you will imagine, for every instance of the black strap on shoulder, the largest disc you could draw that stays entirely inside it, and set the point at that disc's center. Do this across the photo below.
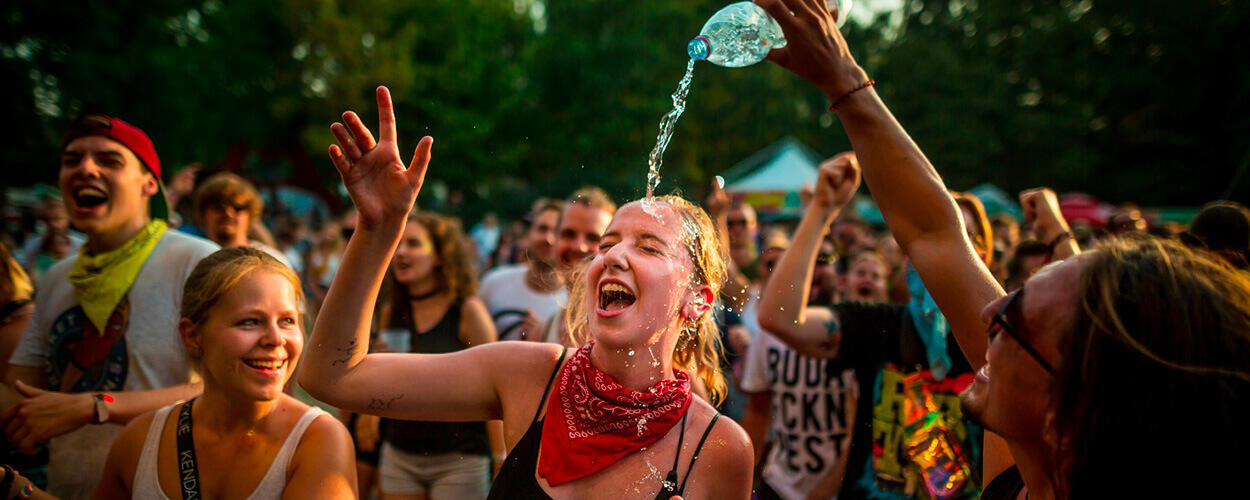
(698, 448)
(681, 437)
(547, 391)
(188, 469)
(668, 489)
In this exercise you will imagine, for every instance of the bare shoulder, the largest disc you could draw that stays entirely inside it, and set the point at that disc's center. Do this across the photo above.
(325, 443)
(521, 355)
(723, 466)
(123, 456)
(474, 305)
(324, 465)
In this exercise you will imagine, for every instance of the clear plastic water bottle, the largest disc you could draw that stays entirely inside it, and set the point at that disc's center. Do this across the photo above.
(742, 34)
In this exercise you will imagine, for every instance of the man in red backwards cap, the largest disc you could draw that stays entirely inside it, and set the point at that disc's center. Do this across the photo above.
(103, 347)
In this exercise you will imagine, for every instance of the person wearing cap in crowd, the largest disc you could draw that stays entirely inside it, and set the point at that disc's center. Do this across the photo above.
(103, 346)
(229, 210)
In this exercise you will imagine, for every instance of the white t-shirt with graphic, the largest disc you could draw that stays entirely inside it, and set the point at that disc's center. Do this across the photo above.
(149, 355)
(809, 421)
(504, 289)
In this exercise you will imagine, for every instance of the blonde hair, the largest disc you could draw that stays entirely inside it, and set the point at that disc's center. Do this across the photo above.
(698, 350)
(216, 274)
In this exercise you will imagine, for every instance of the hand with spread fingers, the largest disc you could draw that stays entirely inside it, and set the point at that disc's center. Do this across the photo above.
(815, 49)
(374, 174)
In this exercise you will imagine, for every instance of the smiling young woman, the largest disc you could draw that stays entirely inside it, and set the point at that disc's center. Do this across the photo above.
(614, 416)
(241, 324)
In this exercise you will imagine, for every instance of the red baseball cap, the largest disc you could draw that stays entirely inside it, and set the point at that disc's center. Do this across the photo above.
(135, 140)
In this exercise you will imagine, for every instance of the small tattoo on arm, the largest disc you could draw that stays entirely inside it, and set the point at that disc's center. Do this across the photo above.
(832, 328)
(347, 353)
(383, 404)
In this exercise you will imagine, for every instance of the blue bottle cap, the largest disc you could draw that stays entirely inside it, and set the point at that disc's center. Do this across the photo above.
(699, 48)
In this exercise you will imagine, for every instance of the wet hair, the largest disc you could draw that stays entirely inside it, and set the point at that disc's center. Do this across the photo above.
(698, 353)
(983, 241)
(228, 188)
(455, 272)
(1153, 389)
(214, 276)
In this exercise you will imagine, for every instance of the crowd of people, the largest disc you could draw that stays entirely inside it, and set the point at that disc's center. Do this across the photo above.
(153, 335)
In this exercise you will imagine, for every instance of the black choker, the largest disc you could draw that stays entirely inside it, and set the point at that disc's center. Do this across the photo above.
(426, 295)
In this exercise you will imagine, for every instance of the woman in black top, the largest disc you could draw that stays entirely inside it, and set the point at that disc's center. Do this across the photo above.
(643, 303)
(432, 300)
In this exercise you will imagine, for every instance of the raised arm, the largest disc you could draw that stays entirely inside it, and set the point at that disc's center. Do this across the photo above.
(1041, 212)
(338, 369)
(783, 310)
(915, 203)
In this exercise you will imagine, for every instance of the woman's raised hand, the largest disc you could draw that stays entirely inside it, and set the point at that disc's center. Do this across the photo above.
(373, 172)
(815, 49)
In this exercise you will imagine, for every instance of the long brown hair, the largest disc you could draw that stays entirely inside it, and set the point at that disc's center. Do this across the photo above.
(455, 271)
(698, 350)
(983, 242)
(1153, 390)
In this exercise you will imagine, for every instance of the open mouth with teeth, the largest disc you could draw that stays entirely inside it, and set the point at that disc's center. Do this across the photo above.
(865, 291)
(614, 297)
(89, 197)
(266, 365)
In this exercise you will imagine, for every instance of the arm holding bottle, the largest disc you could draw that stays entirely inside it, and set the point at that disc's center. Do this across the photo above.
(915, 203)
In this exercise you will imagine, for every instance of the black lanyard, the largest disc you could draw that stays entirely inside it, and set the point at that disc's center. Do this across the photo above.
(188, 468)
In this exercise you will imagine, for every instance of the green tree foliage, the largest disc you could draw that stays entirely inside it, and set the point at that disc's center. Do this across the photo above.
(1128, 99)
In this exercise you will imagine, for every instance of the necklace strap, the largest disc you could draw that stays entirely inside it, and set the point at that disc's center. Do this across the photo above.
(425, 295)
(188, 468)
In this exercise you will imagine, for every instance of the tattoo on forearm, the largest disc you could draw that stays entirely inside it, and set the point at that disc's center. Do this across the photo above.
(383, 404)
(346, 352)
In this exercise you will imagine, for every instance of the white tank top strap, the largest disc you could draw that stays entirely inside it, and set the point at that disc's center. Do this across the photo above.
(274, 481)
(146, 485)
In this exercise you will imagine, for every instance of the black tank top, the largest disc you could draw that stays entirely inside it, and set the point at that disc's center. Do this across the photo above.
(516, 476)
(423, 437)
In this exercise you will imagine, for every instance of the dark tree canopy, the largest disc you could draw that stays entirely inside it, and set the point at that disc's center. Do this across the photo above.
(1138, 100)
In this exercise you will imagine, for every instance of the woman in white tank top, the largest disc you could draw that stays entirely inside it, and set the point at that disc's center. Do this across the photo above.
(243, 437)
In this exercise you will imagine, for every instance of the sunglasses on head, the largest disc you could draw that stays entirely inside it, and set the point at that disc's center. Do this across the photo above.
(1006, 319)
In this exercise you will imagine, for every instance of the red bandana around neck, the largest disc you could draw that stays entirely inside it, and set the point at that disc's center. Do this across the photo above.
(592, 421)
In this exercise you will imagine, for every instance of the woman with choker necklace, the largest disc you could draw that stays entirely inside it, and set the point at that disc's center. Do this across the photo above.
(613, 418)
(243, 437)
(433, 306)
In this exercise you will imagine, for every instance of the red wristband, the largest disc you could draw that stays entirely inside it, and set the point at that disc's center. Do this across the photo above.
(862, 86)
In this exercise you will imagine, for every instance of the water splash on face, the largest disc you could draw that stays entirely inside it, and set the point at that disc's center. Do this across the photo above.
(668, 125)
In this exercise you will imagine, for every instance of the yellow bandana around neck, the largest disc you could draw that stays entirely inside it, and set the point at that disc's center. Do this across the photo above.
(100, 281)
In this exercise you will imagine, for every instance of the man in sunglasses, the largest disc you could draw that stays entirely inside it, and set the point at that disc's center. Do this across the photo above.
(229, 210)
(103, 346)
